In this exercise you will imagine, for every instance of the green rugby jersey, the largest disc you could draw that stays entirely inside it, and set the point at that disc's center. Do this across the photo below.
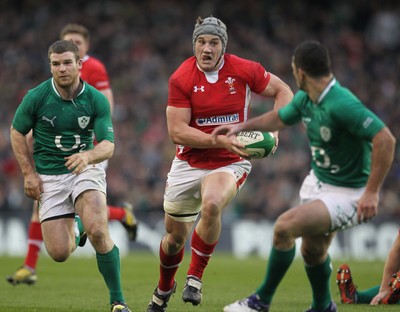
(340, 129)
(62, 127)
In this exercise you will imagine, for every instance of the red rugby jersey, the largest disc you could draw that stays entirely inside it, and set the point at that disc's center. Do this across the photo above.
(94, 73)
(222, 100)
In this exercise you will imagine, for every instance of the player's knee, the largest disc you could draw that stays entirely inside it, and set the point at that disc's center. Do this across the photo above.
(97, 235)
(59, 254)
(174, 243)
(211, 209)
(282, 228)
(313, 256)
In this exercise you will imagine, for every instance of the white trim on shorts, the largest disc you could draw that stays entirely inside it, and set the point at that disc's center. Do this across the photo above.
(61, 191)
(182, 197)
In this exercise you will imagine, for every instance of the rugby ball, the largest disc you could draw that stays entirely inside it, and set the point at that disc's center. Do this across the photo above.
(257, 144)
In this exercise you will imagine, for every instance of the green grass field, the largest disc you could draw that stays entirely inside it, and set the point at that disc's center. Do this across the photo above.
(77, 286)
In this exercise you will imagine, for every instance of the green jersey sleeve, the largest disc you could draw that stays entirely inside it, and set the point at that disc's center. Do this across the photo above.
(103, 127)
(356, 118)
(291, 114)
(24, 117)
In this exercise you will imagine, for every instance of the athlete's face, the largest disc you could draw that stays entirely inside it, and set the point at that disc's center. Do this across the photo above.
(65, 68)
(80, 42)
(208, 50)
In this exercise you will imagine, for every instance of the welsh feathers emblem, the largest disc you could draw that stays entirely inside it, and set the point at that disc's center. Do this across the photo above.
(83, 121)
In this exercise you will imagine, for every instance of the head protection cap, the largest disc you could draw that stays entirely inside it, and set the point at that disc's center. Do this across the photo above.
(211, 26)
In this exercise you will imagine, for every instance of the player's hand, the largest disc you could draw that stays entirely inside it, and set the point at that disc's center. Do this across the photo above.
(33, 186)
(77, 162)
(276, 135)
(378, 298)
(367, 206)
(231, 144)
(227, 130)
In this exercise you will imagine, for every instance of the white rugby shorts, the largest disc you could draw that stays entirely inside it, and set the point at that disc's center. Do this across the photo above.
(61, 191)
(341, 202)
(182, 197)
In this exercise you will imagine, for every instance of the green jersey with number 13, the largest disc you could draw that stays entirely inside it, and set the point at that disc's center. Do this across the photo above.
(62, 127)
(340, 131)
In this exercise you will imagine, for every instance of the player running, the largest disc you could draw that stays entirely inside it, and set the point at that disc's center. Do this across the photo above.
(210, 88)
(95, 74)
(352, 151)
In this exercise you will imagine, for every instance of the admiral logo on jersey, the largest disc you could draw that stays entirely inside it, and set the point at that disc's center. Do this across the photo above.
(217, 120)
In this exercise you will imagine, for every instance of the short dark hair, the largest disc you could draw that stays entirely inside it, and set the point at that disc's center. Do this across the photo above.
(312, 57)
(75, 29)
(62, 46)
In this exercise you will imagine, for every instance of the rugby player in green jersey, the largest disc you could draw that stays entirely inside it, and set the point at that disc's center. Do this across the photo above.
(66, 178)
(352, 151)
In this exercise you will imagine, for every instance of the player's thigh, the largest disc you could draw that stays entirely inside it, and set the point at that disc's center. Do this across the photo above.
(91, 206)
(89, 196)
(308, 219)
(58, 235)
(221, 185)
(218, 189)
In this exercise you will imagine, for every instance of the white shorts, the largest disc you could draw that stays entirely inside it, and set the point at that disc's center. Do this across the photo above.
(182, 197)
(341, 202)
(61, 191)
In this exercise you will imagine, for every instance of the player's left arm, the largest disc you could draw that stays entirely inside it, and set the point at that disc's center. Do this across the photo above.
(281, 93)
(383, 146)
(278, 90)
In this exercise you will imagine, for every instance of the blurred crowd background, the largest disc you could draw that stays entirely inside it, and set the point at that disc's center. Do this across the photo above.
(142, 42)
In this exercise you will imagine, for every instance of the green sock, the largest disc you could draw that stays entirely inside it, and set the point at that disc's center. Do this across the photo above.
(109, 267)
(367, 295)
(319, 277)
(78, 230)
(278, 264)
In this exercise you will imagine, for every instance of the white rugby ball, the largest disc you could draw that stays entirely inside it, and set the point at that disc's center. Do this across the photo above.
(257, 144)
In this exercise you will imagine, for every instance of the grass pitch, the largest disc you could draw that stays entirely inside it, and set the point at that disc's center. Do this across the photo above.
(77, 286)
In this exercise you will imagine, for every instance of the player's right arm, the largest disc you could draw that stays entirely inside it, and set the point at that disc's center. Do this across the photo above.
(32, 183)
(268, 122)
(182, 133)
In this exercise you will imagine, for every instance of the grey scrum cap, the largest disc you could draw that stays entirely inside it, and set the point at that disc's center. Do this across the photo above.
(211, 26)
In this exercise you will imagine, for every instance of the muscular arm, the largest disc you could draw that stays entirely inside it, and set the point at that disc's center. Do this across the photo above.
(268, 121)
(20, 148)
(32, 183)
(278, 90)
(382, 158)
(102, 151)
(182, 133)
